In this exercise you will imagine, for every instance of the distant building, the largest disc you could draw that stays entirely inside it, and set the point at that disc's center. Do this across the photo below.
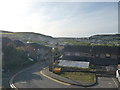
(60, 47)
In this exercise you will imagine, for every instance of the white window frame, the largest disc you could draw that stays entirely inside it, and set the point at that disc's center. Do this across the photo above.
(67, 54)
(77, 53)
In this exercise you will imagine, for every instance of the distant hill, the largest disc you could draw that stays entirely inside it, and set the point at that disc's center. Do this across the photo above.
(109, 39)
(104, 36)
(28, 37)
(2, 31)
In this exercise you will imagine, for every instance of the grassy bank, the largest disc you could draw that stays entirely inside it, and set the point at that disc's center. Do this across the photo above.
(79, 76)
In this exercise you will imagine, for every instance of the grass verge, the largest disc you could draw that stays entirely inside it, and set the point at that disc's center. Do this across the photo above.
(79, 76)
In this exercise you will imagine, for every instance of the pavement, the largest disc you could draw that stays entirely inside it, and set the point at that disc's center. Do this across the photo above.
(33, 78)
(65, 80)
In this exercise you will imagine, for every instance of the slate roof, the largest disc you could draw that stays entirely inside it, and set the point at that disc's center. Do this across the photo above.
(19, 43)
(77, 48)
(94, 49)
(36, 45)
(76, 58)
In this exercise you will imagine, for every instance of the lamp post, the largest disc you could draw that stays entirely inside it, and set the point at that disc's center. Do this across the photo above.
(53, 49)
(52, 60)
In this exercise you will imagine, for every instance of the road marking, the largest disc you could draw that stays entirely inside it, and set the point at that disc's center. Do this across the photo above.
(11, 80)
(114, 82)
(54, 79)
(13, 86)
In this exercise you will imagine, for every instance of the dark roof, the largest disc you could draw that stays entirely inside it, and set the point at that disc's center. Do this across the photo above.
(6, 40)
(36, 45)
(77, 48)
(76, 58)
(19, 43)
(94, 49)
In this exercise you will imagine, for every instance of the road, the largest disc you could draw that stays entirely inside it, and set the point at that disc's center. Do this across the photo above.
(32, 78)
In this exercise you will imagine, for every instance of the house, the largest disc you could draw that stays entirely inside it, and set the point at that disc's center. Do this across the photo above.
(37, 51)
(7, 42)
(82, 53)
(59, 47)
(96, 55)
(105, 55)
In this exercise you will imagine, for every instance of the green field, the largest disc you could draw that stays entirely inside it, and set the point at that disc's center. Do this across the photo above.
(6, 33)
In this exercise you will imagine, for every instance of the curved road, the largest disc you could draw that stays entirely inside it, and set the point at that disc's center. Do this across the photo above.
(31, 78)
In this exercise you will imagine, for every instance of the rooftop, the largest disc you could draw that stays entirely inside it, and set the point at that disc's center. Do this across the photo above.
(80, 64)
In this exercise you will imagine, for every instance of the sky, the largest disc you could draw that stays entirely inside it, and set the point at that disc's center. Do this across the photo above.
(59, 19)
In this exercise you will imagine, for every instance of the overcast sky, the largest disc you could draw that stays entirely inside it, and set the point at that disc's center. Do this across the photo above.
(59, 19)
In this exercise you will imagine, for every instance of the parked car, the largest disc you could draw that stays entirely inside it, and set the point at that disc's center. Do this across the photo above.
(118, 73)
(118, 77)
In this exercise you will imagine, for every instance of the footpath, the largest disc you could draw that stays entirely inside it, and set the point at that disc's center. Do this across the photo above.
(65, 80)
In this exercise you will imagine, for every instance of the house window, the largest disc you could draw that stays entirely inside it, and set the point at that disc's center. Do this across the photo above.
(107, 55)
(67, 53)
(87, 54)
(92, 55)
(118, 57)
(97, 55)
(77, 54)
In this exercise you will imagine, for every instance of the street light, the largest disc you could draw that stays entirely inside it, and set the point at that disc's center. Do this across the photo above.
(53, 49)
(52, 60)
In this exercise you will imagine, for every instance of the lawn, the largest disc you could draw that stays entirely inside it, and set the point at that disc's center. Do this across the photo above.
(79, 76)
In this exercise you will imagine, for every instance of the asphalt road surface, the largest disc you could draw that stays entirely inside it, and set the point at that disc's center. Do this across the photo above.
(31, 78)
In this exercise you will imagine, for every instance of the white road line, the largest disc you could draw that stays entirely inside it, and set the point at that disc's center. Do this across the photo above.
(13, 86)
(115, 82)
(11, 80)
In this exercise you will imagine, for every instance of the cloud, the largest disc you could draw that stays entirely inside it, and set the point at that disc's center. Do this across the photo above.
(59, 19)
